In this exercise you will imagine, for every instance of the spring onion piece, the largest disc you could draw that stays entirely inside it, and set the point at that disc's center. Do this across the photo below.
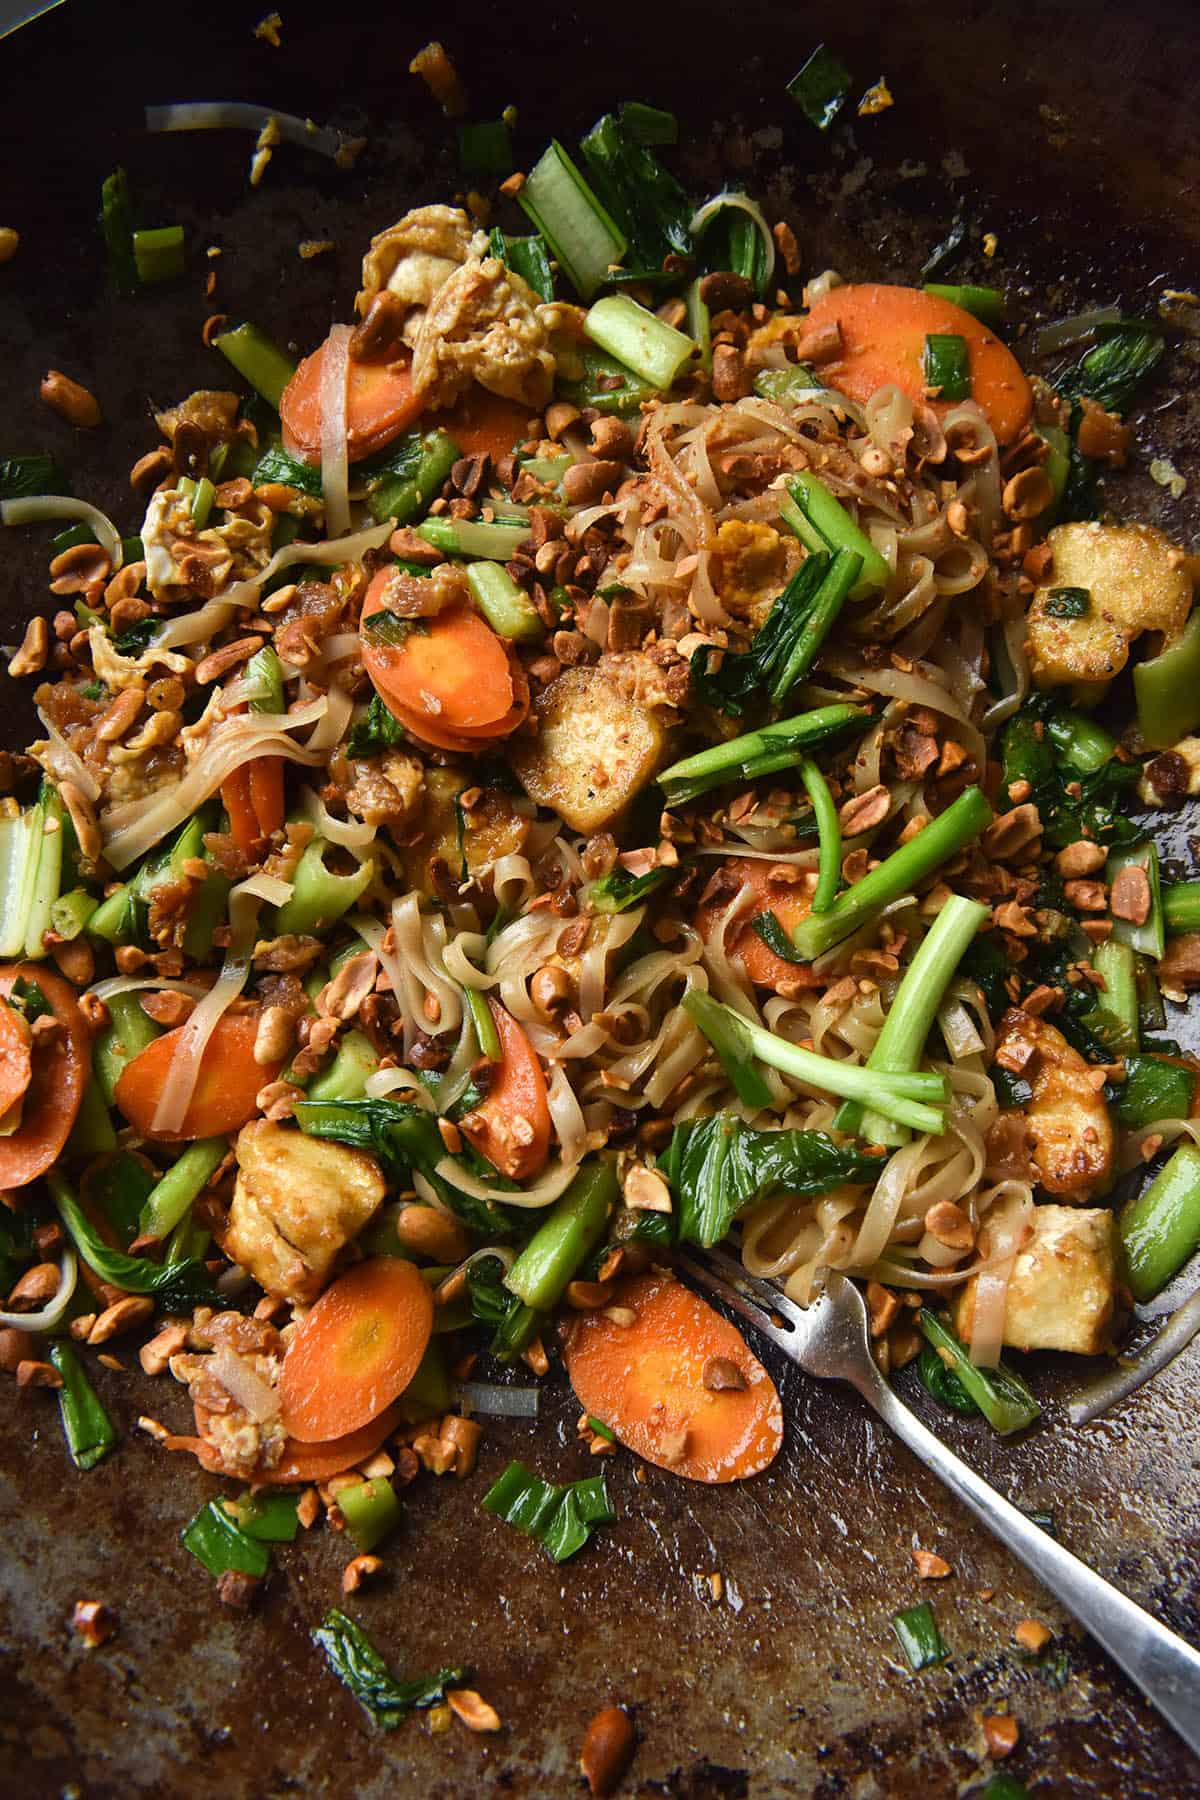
(217, 1541)
(648, 124)
(48, 1316)
(570, 1232)
(271, 1518)
(829, 834)
(947, 366)
(498, 1402)
(257, 360)
(983, 303)
(263, 677)
(356, 1663)
(183, 1182)
(699, 325)
(1002, 1397)
(943, 1385)
(92, 1134)
(585, 240)
(1155, 1087)
(486, 1035)
(128, 1031)
(654, 350)
(158, 254)
(485, 148)
(909, 1099)
(901, 1043)
(1167, 688)
(822, 523)
(526, 257)
(470, 538)
(319, 897)
(506, 607)
(202, 502)
(898, 874)
(240, 115)
(1160, 1228)
(371, 1511)
(36, 509)
(920, 1639)
(1148, 938)
(1080, 740)
(1128, 1376)
(1181, 906)
(1114, 962)
(619, 890)
(89, 1431)
(790, 386)
(1079, 328)
(70, 913)
(607, 386)
(733, 233)
(116, 228)
(762, 752)
(23, 477)
(560, 1518)
(821, 87)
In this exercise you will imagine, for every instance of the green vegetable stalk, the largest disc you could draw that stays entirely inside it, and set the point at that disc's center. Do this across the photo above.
(319, 898)
(822, 523)
(346, 1076)
(257, 360)
(356, 1662)
(573, 1228)
(127, 1034)
(1002, 1397)
(829, 833)
(1168, 689)
(762, 752)
(89, 1431)
(183, 1182)
(1181, 906)
(505, 606)
(1160, 1228)
(371, 1511)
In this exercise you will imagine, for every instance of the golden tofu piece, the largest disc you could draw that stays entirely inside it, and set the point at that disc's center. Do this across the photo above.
(594, 749)
(298, 1200)
(1062, 1292)
(1137, 581)
(1069, 1132)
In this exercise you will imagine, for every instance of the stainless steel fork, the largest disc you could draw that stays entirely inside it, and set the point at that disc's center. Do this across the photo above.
(829, 1339)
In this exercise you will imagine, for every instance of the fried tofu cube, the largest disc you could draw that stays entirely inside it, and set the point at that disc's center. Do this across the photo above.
(1069, 1132)
(1062, 1292)
(297, 1201)
(594, 750)
(1136, 581)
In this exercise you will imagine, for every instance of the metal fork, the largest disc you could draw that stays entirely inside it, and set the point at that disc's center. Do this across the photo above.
(829, 1339)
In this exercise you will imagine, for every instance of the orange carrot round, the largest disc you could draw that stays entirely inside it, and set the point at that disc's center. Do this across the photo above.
(883, 340)
(657, 1383)
(300, 1463)
(223, 1098)
(481, 423)
(16, 1062)
(357, 1350)
(266, 793)
(469, 742)
(452, 671)
(58, 1072)
(789, 901)
(380, 404)
(511, 1126)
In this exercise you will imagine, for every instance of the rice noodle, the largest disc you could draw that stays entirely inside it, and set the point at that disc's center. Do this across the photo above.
(44, 508)
(242, 115)
(335, 369)
(381, 1083)
(349, 834)
(133, 984)
(566, 1116)
(1007, 1229)
(553, 1183)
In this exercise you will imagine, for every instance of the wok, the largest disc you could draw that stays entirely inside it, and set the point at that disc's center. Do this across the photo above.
(1067, 129)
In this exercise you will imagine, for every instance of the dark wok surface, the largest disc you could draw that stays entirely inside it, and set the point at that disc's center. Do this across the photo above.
(1068, 130)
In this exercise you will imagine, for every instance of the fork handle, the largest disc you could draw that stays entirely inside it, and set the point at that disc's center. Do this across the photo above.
(1157, 1661)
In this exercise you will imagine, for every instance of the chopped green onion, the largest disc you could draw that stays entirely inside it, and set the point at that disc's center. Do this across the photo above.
(1160, 1228)
(908, 865)
(619, 890)
(829, 834)
(572, 1229)
(346, 1076)
(202, 502)
(486, 1035)
(183, 1183)
(1181, 906)
(70, 913)
(762, 752)
(699, 325)
(1167, 688)
(947, 366)
(787, 386)
(920, 1639)
(648, 124)
(526, 257)
(732, 233)
(472, 538)
(29, 477)
(560, 1518)
(411, 472)
(1154, 1088)
(601, 1429)
(116, 226)
(356, 1663)
(644, 343)
(607, 386)
(92, 1134)
(647, 204)
(485, 148)
(506, 607)
(1002, 1397)
(821, 87)
(275, 465)
(983, 303)
(1149, 937)
(158, 254)
(563, 208)
(822, 523)
(943, 1385)
(1114, 962)
(371, 1511)
(257, 360)
(272, 1518)
(89, 1431)
(1067, 603)
(218, 1542)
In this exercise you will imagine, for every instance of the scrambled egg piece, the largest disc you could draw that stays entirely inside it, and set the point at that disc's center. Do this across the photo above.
(594, 749)
(179, 556)
(751, 565)
(416, 257)
(1137, 581)
(1062, 1292)
(297, 1202)
(487, 325)
(117, 671)
(1068, 1131)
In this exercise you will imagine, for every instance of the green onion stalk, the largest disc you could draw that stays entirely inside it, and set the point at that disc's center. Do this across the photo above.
(763, 752)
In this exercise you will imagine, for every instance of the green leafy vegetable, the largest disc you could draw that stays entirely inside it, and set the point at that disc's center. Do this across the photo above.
(89, 1431)
(718, 1168)
(619, 890)
(983, 303)
(136, 637)
(485, 148)
(648, 204)
(26, 998)
(272, 1518)
(821, 87)
(608, 386)
(526, 257)
(786, 646)
(781, 745)
(731, 239)
(1045, 744)
(560, 1518)
(1002, 1397)
(356, 1662)
(376, 731)
(178, 1287)
(943, 1384)
(947, 366)
(25, 477)
(766, 925)
(276, 465)
(1160, 1227)
(920, 1639)
(648, 124)
(1111, 371)
(1067, 603)
(408, 475)
(218, 1542)
(513, 1324)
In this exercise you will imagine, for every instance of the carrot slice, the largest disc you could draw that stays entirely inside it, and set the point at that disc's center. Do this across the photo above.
(266, 793)
(883, 340)
(646, 1381)
(469, 742)
(57, 1076)
(357, 1350)
(224, 1095)
(300, 1462)
(484, 424)
(238, 802)
(452, 670)
(380, 404)
(16, 1063)
(511, 1125)
(789, 901)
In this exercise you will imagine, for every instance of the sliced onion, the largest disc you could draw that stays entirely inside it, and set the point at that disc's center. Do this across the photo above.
(499, 1402)
(1080, 328)
(335, 478)
(706, 213)
(39, 507)
(244, 1384)
(1101, 1396)
(382, 1082)
(556, 1181)
(62, 761)
(50, 1314)
(241, 115)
